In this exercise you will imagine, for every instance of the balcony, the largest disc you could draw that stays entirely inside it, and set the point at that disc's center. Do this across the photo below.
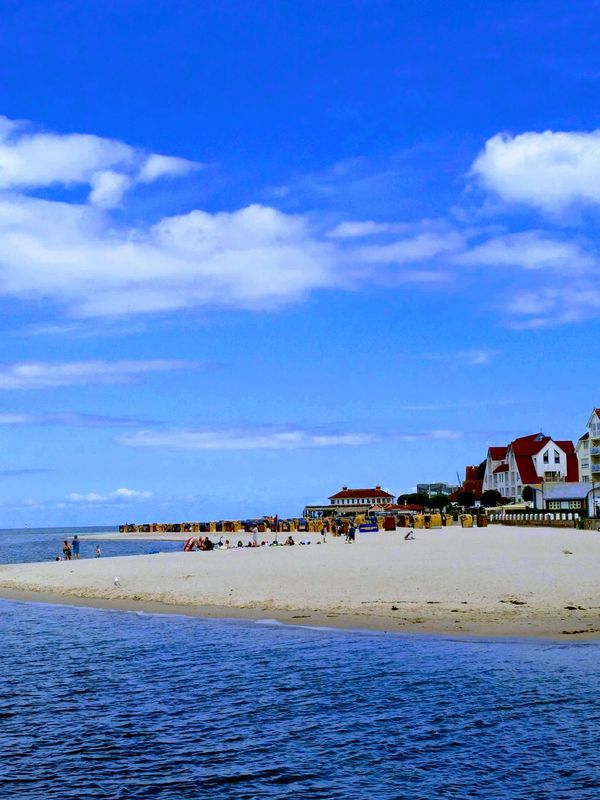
(595, 451)
(595, 468)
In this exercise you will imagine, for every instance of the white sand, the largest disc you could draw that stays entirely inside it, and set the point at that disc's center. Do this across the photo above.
(499, 580)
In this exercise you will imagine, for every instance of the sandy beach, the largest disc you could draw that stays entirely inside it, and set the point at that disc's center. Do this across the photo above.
(500, 581)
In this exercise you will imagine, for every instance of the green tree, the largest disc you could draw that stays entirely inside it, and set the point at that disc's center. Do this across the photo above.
(466, 499)
(527, 494)
(414, 499)
(491, 498)
(440, 501)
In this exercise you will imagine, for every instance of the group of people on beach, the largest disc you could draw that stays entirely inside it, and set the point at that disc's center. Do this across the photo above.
(71, 550)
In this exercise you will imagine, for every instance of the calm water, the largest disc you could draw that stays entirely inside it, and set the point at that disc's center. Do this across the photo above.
(98, 704)
(44, 544)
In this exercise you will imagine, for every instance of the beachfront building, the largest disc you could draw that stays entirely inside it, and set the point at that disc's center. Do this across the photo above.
(350, 502)
(588, 449)
(436, 488)
(530, 461)
(582, 449)
(581, 498)
(361, 498)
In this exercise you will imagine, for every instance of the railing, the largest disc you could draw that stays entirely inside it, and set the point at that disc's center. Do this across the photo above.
(595, 451)
(595, 467)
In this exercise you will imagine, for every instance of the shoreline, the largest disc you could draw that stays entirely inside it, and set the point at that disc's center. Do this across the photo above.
(366, 623)
(492, 582)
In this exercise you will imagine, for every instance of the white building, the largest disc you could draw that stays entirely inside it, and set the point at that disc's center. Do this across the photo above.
(529, 461)
(361, 497)
(588, 449)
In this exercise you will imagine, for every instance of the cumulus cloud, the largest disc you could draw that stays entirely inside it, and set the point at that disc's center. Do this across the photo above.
(35, 159)
(123, 495)
(552, 305)
(549, 170)
(41, 374)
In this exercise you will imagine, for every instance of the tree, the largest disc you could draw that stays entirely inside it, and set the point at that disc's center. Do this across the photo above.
(466, 499)
(527, 494)
(491, 498)
(414, 499)
(440, 501)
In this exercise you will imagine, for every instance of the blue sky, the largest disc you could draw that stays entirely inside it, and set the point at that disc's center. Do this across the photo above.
(250, 252)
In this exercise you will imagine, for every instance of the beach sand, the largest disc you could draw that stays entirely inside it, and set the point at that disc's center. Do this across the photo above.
(495, 581)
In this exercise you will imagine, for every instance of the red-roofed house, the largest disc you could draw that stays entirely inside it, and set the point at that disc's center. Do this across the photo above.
(361, 497)
(530, 461)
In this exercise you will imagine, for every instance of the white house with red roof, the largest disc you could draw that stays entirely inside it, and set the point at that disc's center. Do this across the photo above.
(530, 461)
(361, 497)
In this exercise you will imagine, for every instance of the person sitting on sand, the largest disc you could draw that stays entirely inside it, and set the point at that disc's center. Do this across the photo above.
(409, 535)
(290, 540)
(240, 543)
(208, 544)
(226, 545)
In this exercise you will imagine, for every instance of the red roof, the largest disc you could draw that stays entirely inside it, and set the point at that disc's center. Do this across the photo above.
(408, 508)
(497, 453)
(501, 468)
(529, 445)
(359, 493)
(527, 469)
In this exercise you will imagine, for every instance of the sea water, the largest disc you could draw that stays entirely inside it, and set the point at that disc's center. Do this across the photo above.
(106, 704)
(19, 546)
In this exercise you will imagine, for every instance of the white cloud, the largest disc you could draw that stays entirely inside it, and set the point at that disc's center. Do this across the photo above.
(157, 166)
(549, 170)
(351, 230)
(531, 250)
(40, 375)
(265, 439)
(119, 496)
(474, 357)
(553, 305)
(422, 247)
(108, 188)
(258, 439)
(34, 159)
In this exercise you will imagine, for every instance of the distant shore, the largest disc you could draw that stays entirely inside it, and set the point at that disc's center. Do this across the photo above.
(495, 581)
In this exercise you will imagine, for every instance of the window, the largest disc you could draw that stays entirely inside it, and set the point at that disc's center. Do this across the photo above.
(575, 504)
(556, 457)
(546, 457)
(553, 505)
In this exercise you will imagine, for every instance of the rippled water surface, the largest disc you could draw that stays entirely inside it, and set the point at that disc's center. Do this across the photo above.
(100, 704)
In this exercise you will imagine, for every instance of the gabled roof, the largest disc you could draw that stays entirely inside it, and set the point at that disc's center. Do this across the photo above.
(497, 453)
(356, 494)
(529, 445)
(501, 468)
(526, 469)
(585, 436)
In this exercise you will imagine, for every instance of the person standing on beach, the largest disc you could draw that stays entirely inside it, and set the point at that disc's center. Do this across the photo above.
(75, 548)
(254, 536)
(98, 553)
(66, 550)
